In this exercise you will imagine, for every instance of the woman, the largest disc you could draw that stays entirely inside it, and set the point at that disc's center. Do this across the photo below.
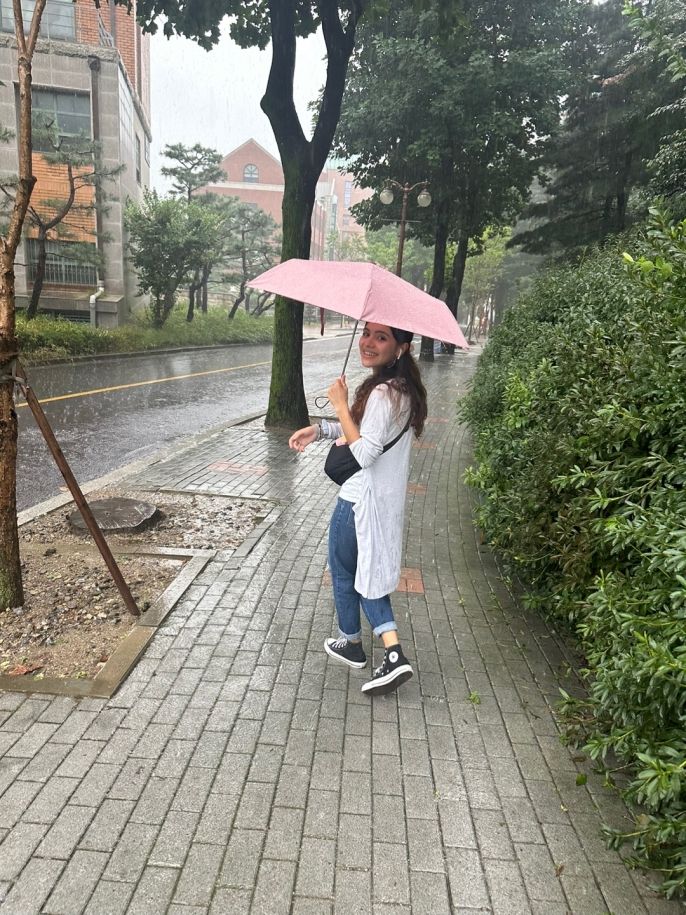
(365, 534)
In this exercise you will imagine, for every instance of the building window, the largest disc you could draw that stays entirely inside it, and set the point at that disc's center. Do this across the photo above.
(146, 148)
(69, 113)
(138, 159)
(63, 266)
(347, 194)
(58, 20)
(251, 174)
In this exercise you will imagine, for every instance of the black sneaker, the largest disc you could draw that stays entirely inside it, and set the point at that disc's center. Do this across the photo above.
(351, 653)
(395, 670)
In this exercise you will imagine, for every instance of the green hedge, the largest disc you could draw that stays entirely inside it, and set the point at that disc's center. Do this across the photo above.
(579, 413)
(45, 339)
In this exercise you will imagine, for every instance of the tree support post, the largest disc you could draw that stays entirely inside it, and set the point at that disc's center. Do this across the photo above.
(69, 478)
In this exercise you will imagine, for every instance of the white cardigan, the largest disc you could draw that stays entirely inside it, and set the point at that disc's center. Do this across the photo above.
(378, 490)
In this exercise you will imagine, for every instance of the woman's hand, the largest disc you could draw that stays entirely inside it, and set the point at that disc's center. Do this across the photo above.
(303, 437)
(338, 395)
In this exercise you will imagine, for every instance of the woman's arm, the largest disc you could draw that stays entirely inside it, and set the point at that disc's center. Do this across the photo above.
(338, 397)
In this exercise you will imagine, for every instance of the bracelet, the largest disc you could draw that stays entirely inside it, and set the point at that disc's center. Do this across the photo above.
(319, 431)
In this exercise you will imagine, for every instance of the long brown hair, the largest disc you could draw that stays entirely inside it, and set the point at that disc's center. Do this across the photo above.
(402, 377)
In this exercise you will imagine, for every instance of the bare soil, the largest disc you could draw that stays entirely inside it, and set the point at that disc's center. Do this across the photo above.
(73, 617)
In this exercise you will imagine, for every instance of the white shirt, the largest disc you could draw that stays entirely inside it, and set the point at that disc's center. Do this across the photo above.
(378, 490)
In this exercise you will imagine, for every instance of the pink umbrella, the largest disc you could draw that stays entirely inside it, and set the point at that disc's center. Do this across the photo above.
(365, 292)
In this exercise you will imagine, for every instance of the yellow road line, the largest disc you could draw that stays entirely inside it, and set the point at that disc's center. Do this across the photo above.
(140, 384)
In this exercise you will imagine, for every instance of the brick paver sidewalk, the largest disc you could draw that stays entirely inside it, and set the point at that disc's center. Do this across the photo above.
(239, 770)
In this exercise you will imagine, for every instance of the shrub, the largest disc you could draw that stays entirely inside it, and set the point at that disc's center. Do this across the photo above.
(46, 339)
(578, 409)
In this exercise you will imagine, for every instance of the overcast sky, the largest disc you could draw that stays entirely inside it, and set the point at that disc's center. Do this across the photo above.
(213, 97)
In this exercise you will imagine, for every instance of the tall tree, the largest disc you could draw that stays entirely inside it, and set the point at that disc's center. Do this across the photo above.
(75, 163)
(477, 100)
(11, 590)
(252, 248)
(168, 237)
(617, 109)
(280, 22)
(193, 168)
(661, 28)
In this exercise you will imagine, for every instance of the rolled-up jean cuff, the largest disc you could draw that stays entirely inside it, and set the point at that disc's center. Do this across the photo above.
(385, 627)
(351, 638)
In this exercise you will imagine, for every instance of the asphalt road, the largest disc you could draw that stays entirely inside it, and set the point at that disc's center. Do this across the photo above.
(109, 412)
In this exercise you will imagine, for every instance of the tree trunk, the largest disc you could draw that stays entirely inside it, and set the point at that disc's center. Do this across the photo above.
(205, 282)
(438, 279)
(454, 291)
(11, 590)
(190, 313)
(302, 163)
(39, 278)
(287, 404)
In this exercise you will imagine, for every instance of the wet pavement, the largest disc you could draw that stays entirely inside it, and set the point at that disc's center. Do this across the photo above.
(240, 770)
(102, 430)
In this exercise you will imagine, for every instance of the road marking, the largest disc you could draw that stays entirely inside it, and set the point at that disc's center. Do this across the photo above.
(140, 384)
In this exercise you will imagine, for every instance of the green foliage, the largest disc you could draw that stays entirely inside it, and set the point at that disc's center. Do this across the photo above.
(168, 238)
(578, 407)
(623, 107)
(193, 168)
(49, 339)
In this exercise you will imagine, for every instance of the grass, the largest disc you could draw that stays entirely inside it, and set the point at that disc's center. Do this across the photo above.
(48, 339)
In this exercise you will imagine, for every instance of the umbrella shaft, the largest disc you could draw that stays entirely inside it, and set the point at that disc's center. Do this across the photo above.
(347, 355)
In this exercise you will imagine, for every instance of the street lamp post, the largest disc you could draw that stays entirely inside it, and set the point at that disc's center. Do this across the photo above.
(423, 199)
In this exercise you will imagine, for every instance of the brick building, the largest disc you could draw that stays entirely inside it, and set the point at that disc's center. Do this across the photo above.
(91, 77)
(255, 176)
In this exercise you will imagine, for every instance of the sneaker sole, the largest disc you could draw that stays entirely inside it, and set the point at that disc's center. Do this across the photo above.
(390, 682)
(358, 665)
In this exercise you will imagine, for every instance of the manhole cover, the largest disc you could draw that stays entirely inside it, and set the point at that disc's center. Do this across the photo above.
(117, 515)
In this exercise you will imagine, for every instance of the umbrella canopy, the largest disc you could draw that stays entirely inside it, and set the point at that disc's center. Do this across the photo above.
(365, 292)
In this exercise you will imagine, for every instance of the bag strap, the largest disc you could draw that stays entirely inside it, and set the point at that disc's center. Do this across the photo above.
(397, 438)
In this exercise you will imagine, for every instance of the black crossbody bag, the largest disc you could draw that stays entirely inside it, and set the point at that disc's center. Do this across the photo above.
(341, 463)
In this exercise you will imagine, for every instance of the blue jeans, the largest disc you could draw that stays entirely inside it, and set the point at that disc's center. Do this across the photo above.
(343, 564)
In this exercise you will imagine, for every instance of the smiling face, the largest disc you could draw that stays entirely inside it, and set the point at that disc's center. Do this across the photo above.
(378, 346)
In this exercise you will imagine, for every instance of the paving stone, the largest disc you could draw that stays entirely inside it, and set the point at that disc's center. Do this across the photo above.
(539, 871)
(284, 837)
(17, 848)
(174, 839)
(316, 868)
(154, 891)
(353, 894)
(75, 886)
(131, 853)
(466, 878)
(274, 888)
(425, 846)
(390, 875)
(507, 888)
(234, 901)
(77, 761)
(33, 887)
(194, 789)
(63, 836)
(108, 824)
(354, 849)
(197, 880)
(242, 858)
(15, 801)
(429, 894)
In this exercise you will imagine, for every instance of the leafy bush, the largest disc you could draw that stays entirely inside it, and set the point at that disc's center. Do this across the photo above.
(579, 412)
(45, 339)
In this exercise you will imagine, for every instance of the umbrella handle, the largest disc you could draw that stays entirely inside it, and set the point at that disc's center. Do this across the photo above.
(347, 355)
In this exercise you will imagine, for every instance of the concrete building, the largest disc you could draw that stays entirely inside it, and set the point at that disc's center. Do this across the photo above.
(91, 74)
(255, 176)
